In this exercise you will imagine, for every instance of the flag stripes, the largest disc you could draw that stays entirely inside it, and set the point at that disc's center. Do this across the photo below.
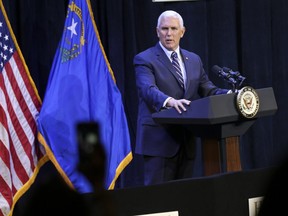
(20, 154)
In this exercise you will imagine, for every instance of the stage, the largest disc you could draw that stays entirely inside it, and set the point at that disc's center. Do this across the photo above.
(218, 195)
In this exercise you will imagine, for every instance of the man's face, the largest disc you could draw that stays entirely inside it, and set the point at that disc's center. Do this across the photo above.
(169, 32)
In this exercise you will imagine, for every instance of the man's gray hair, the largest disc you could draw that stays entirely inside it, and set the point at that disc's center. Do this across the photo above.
(170, 13)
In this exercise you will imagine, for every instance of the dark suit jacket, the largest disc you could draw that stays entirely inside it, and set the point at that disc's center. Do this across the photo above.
(156, 80)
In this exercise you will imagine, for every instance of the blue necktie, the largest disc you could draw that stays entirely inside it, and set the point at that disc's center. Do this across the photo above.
(176, 64)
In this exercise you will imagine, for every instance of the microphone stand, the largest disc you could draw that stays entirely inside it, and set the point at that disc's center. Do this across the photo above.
(233, 84)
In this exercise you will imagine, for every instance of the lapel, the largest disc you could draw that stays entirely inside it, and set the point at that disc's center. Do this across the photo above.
(188, 68)
(162, 57)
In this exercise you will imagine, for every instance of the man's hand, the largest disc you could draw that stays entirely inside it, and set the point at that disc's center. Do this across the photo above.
(179, 105)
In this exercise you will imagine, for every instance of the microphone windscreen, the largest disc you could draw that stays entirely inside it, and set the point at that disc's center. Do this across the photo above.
(226, 69)
(216, 69)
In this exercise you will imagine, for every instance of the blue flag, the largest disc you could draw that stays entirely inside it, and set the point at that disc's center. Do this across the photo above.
(81, 87)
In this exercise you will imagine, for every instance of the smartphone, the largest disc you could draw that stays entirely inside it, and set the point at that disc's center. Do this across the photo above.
(92, 157)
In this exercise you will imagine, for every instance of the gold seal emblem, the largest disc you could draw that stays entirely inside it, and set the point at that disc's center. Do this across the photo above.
(247, 102)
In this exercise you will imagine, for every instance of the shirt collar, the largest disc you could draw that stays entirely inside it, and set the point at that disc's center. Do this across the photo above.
(168, 52)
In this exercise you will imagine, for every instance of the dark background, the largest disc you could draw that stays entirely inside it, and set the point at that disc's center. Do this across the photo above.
(249, 36)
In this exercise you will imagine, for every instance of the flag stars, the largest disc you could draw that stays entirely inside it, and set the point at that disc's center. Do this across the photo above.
(72, 28)
(6, 45)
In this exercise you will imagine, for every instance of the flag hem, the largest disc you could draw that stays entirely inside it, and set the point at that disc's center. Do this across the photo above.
(120, 168)
(28, 184)
(54, 160)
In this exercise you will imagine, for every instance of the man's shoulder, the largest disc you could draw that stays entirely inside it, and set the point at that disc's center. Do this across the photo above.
(149, 51)
(148, 54)
(145, 52)
(189, 53)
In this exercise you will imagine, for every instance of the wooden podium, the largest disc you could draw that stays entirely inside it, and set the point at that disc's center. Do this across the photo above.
(217, 120)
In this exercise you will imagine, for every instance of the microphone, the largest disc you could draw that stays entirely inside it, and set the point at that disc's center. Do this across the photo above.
(235, 74)
(221, 73)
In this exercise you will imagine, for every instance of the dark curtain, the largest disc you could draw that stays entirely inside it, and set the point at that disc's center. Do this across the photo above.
(249, 36)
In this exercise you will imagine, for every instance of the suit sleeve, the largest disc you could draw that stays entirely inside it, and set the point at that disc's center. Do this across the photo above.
(146, 84)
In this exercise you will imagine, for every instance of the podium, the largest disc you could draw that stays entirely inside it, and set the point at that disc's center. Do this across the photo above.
(218, 122)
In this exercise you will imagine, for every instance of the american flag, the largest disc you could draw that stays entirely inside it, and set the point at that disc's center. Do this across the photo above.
(20, 155)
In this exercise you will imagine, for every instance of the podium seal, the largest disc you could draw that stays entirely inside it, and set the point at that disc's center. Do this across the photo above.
(247, 102)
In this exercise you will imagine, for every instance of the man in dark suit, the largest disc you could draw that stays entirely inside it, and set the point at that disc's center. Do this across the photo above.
(162, 84)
